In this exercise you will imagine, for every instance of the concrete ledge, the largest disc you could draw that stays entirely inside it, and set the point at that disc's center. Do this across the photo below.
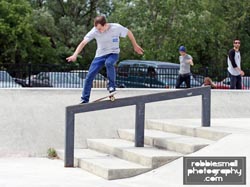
(32, 120)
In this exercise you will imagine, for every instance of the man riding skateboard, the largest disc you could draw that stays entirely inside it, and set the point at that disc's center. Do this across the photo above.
(107, 37)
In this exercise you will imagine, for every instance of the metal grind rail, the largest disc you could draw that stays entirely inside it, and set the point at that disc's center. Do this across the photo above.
(139, 102)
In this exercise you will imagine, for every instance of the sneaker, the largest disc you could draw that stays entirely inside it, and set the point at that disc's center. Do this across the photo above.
(111, 90)
(82, 102)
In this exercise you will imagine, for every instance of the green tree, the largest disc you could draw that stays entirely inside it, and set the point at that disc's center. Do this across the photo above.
(205, 27)
(20, 43)
(68, 22)
(47, 31)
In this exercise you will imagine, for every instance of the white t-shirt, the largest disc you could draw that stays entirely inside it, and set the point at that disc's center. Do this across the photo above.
(108, 41)
(184, 65)
(234, 60)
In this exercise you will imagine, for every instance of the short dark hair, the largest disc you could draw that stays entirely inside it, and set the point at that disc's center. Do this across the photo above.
(100, 20)
(236, 39)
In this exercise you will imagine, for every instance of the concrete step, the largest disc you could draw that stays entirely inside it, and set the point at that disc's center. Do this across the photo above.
(187, 127)
(146, 156)
(105, 165)
(170, 141)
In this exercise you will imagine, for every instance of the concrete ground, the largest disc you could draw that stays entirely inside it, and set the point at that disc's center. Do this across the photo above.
(43, 172)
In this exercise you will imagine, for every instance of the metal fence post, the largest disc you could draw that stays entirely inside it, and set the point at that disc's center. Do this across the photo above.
(29, 72)
(69, 139)
(139, 124)
(206, 108)
(206, 71)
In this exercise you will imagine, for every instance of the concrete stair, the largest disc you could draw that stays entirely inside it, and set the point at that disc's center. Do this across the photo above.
(104, 165)
(170, 141)
(164, 142)
(187, 127)
(147, 156)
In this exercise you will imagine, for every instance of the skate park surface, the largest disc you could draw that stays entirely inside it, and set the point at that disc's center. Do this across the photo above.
(32, 120)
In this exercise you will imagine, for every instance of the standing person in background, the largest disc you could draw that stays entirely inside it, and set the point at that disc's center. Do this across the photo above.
(234, 66)
(107, 37)
(184, 74)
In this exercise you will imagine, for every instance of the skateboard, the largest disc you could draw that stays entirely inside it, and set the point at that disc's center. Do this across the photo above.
(110, 96)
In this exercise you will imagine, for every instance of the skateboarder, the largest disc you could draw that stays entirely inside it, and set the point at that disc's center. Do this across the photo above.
(107, 53)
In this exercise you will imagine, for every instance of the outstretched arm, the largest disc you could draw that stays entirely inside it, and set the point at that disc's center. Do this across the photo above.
(77, 51)
(137, 48)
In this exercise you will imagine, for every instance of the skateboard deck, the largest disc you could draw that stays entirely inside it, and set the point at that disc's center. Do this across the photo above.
(110, 96)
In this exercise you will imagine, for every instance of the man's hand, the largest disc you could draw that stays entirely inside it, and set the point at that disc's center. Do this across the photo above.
(77, 51)
(71, 58)
(138, 49)
(242, 73)
(191, 62)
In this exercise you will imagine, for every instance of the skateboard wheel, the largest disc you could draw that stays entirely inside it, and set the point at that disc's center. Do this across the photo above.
(112, 98)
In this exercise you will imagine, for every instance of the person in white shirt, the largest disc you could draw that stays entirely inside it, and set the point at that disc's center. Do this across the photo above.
(107, 54)
(234, 66)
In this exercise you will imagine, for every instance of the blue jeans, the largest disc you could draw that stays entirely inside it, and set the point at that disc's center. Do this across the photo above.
(97, 64)
(235, 81)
